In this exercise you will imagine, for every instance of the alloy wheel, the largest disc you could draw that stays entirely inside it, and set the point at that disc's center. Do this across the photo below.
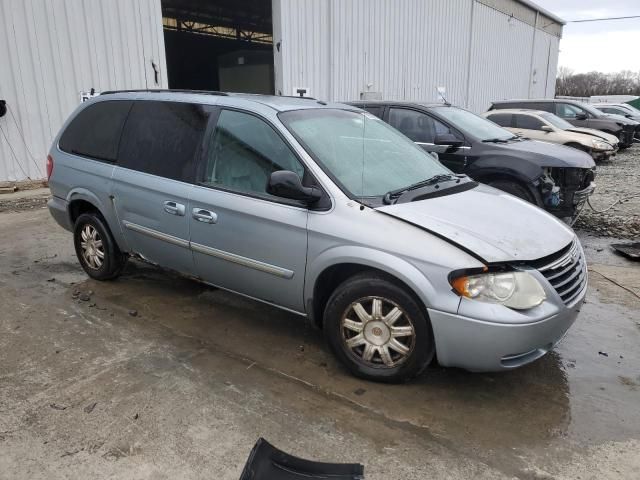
(378, 332)
(92, 248)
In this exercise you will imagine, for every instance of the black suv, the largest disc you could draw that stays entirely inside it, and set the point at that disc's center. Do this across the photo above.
(554, 177)
(579, 114)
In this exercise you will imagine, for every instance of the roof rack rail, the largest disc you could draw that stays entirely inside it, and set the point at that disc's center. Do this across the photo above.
(245, 94)
(165, 90)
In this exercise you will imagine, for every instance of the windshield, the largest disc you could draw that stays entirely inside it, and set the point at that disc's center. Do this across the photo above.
(365, 155)
(556, 121)
(474, 125)
(632, 109)
(592, 110)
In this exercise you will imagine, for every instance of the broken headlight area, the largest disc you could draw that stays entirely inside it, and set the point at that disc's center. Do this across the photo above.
(564, 189)
(601, 145)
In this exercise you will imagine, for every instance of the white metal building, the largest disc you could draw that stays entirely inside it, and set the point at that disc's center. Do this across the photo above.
(471, 51)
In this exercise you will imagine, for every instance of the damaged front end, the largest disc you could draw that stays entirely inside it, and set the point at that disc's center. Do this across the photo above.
(564, 191)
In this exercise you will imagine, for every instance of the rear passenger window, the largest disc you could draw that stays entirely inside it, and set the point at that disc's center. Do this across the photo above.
(164, 138)
(377, 111)
(544, 106)
(243, 152)
(95, 131)
(527, 122)
(502, 119)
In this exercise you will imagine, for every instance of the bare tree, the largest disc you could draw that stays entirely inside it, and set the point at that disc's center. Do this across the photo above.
(573, 84)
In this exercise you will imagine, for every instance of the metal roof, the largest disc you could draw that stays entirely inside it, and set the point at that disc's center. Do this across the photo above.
(545, 12)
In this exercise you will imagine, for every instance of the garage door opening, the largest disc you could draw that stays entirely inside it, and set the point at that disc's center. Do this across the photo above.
(224, 45)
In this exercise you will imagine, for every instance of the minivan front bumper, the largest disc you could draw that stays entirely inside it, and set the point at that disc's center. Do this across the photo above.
(486, 346)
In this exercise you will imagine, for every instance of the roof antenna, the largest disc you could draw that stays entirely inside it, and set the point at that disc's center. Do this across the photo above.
(441, 91)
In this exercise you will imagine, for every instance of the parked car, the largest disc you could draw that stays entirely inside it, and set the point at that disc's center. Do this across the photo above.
(547, 127)
(580, 115)
(322, 210)
(556, 178)
(621, 109)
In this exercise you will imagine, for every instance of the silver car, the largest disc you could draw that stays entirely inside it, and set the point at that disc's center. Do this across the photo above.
(322, 210)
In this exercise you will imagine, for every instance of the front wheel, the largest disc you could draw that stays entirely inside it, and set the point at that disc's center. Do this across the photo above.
(378, 330)
(96, 249)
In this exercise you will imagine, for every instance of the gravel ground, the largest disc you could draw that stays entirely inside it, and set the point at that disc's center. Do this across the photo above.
(22, 204)
(616, 180)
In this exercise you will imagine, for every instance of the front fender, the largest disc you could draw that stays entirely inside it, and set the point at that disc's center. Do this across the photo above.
(388, 263)
(525, 171)
(527, 176)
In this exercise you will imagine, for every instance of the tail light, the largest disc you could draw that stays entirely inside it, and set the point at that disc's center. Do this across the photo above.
(49, 166)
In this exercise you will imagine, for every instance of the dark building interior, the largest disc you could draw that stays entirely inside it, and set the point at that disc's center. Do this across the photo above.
(222, 45)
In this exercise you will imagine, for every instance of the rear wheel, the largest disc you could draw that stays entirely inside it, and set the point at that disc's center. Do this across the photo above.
(96, 249)
(512, 188)
(378, 330)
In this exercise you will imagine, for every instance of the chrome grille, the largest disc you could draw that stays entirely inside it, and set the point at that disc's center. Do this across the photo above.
(567, 272)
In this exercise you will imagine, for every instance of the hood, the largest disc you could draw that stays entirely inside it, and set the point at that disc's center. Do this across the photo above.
(549, 154)
(494, 225)
(612, 139)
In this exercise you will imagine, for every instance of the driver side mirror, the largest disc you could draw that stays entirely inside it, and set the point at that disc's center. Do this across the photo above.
(581, 116)
(448, 139)
(546, 128)
(287, 184)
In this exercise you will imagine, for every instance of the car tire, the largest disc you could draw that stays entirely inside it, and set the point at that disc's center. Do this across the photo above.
(512, 188)
(388, 338)
(96, 249)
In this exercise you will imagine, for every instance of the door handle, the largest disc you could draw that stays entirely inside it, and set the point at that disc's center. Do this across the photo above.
(174, 208)
(204, 216)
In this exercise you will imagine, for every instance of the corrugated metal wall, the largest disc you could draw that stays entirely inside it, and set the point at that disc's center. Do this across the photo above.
(405, 49)
(500, 58)
(50, 50)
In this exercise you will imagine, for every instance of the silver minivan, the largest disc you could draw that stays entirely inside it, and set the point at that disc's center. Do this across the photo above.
(322, 210)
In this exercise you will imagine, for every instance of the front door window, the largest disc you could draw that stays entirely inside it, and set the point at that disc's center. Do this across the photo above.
(243, 152)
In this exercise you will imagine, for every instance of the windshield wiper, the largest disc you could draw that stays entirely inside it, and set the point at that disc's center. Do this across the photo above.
(498, 140)
(442, 177)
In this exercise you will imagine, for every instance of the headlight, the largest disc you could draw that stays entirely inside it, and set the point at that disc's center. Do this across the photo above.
(517, 290)
(600, 145)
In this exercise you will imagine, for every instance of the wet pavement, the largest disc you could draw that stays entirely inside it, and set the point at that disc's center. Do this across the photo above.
(185, 378)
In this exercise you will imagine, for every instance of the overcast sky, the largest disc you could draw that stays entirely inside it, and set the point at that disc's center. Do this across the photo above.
(608, 46)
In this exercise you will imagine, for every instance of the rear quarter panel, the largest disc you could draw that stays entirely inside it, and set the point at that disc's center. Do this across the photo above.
(79, 178)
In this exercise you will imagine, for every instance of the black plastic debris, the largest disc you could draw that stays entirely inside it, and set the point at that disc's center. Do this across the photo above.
(266, 462)
(630, 250)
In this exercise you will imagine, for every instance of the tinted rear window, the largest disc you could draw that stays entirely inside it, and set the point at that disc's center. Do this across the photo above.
(546, 106)
(377, 111)
(95, 131)
(163, 138)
